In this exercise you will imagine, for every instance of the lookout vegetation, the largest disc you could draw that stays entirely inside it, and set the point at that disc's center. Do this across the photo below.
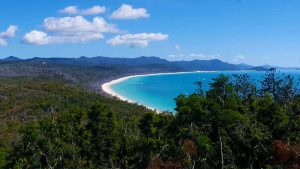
(235, 124)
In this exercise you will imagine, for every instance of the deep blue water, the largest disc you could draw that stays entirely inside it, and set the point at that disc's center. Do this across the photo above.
(159, 91)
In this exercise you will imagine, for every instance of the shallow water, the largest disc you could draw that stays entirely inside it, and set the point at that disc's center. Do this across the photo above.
(159, 91)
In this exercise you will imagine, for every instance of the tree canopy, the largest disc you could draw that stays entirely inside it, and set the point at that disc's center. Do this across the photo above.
(235, 124)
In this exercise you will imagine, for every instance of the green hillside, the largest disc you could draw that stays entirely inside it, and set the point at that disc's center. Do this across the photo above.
(49, 121)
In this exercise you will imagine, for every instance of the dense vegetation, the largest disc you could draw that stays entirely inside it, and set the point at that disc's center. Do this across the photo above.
(232, 125)
(142, 62)
(27, 102)
(88, 73)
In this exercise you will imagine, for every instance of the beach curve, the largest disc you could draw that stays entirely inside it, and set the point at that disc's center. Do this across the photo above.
(107, 87)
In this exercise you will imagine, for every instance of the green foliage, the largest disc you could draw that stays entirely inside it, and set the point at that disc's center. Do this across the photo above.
(47, 118)
(102, 125)
(232, 125)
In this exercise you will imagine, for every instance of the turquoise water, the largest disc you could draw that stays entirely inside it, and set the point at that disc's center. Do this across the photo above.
(159, 91)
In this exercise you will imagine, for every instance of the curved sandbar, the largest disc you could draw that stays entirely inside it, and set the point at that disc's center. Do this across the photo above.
(107, 87)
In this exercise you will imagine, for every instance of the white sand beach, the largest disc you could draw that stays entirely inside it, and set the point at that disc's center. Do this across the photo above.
(106, 87)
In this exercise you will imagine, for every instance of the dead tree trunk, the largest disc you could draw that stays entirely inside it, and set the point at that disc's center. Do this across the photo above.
(221, 149)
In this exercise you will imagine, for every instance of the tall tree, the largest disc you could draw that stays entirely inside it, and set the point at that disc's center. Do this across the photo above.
(102, 124)
(243, 85)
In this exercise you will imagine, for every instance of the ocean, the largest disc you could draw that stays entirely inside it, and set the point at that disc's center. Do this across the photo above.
(159, 91)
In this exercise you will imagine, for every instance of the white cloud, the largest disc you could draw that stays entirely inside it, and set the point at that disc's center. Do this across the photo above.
(74, 10)
(9, 33)
(3, 42)
(128, 12)
(94, 10)
(171, 56)
(69, 29)
(193, 56)
(177, 47)
(239, 58)
(78, 24)
(197, 56)
(36, 37)
(136, 40)
(71, 10)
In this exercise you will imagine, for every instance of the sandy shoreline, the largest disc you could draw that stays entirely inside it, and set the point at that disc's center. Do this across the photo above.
(106, 87)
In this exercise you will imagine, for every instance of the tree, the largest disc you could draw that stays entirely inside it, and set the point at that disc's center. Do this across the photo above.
(221, 89)
(102, 124)
(199, 89)
(148, 128)
(243, 85)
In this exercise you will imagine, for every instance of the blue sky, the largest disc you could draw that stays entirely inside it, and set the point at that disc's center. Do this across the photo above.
(251, 31)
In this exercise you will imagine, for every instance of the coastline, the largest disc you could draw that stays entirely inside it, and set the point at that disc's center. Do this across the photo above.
(106, 87)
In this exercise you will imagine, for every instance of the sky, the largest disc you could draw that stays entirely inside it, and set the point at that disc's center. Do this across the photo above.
(255, 32)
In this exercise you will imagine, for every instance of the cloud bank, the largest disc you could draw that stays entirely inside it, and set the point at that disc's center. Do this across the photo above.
(193, 56)
(74, 10)
(239, 58)
(9, 33)
(79, 29)
(69, 29)
(136, 40)
(128, 12)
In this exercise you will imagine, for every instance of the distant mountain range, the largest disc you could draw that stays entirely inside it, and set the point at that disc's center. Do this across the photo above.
(10, 58)
(193, 65)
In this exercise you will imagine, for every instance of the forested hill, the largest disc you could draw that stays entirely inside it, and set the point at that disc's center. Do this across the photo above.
(146, 62)
(91, 72)
(47, 122)
(214, 64)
